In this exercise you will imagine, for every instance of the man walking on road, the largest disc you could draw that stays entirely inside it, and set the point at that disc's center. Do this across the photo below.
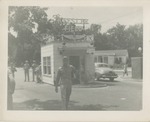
(125, 70)
(64, 75)
(26, 70)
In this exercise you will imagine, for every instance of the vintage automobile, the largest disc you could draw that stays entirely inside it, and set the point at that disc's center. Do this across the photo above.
(103, 70)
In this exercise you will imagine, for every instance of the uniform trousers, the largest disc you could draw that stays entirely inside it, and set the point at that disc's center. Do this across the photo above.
(26, 73)
(65, 95)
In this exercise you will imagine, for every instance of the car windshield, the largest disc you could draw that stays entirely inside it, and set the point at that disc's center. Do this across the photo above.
(102, 65)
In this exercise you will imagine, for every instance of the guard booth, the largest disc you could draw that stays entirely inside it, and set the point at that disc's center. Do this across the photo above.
(79, 50)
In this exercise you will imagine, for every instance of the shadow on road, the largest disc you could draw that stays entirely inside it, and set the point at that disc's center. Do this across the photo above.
(108, 82)
(105, 80)
(36, 105)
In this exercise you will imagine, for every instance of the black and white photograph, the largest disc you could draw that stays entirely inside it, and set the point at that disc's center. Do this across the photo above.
(75, 58)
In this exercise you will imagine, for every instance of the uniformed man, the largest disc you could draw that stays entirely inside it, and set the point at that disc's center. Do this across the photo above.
(26, 70)
(38, 74)
(11, 88)
(33, 69)
(64, 75)
(13, 69)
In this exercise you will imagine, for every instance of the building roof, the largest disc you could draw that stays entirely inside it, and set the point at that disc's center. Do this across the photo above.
(112, 52)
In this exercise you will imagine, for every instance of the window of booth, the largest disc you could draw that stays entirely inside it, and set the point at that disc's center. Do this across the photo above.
(47, 65)
(106, 60)
(95, 59)
(100, 59)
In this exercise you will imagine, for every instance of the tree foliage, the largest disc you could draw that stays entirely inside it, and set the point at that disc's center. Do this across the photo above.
(23, 21)
(31, 24)
(121, 37)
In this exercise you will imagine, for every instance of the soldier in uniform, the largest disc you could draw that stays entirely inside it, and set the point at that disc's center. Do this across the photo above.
(125, 69)
(26, 70)
(13, 69)
(38, 74)
(11, 88)
(64, 76)
(33, 69)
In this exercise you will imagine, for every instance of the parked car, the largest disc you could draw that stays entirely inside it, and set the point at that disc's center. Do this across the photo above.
(103, 70)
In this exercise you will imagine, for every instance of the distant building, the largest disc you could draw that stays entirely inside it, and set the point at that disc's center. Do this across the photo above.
(77, 48)
(112, 57)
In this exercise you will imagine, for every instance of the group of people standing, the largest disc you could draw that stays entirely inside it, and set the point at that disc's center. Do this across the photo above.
(36, 71)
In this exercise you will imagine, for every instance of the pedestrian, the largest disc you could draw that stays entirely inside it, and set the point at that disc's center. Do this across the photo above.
(125, 70)
(33, 69)
(13, 69)
(64, 78)
(10, 90)
(26, 70)
(38, 74)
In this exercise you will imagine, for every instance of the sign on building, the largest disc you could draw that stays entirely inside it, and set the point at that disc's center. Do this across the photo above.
(71, 24)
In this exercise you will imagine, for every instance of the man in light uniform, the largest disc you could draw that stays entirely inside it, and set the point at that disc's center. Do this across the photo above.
(26, 70)
(65, 75)
(125, 70)
(38, 74)
(33, 69)
(13, 69)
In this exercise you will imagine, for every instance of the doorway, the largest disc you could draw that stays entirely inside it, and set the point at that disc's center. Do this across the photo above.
(75, 61)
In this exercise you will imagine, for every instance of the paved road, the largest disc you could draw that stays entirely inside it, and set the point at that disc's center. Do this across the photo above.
(123, 94)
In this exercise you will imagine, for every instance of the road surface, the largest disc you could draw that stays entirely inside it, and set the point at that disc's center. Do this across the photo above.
(123, 94)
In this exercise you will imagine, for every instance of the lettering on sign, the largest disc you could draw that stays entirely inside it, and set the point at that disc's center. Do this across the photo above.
(79, 28)
(73, 28)
(74, 21)
(70, 24)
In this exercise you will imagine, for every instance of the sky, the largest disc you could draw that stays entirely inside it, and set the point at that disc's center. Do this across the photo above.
(105, 16)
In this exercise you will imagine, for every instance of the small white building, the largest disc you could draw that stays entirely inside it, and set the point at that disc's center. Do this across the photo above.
(77, 48)
(111, 57)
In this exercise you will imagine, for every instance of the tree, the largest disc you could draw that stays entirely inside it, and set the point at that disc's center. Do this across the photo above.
(95, 28)
(12, 47)
(117, 37)
(23, 21)
(122, 37)
(135, 39)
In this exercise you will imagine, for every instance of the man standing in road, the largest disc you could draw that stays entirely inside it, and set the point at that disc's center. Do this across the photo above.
(13, 69)
(38, 74)
(33, 69)
(64, 75)
(26, 70)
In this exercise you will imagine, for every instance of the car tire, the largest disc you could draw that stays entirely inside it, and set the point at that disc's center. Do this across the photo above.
(97, 78)
(111, 79)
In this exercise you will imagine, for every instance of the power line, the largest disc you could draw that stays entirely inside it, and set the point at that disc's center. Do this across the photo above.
(119, 17)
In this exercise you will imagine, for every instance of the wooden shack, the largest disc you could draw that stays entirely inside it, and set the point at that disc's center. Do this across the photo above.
(80, 51)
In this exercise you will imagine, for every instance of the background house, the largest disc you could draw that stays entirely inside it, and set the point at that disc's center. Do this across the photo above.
(111, 57)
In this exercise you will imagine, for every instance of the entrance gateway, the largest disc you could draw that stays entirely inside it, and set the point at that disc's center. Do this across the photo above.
(77, 48)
